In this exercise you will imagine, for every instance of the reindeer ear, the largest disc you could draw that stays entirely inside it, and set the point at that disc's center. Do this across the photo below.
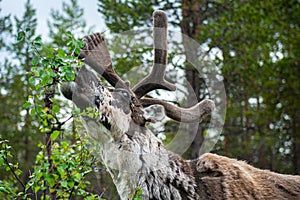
(154, 113)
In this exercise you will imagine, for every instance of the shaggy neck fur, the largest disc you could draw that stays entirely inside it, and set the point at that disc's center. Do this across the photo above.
(141, 161)
(136, 158)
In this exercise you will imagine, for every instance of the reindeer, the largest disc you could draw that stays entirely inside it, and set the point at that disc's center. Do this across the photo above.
(135, 158)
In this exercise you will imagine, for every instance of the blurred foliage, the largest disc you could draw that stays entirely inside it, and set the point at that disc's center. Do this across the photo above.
(259, 44)
(16, 124)
(131, 14)
(69, 19)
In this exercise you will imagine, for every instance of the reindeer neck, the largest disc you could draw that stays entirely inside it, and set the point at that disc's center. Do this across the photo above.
(141, 161)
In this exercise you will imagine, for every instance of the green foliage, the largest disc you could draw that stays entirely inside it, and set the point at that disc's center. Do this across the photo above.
(71, 163)
(8, 186)
(33, 110)
(137, 194)
(60, 168)
(48, 70)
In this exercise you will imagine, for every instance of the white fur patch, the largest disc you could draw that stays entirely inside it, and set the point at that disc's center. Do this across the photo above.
(116, 117)
(121, 119)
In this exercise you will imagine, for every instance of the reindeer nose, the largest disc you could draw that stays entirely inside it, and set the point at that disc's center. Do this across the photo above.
(98, 101)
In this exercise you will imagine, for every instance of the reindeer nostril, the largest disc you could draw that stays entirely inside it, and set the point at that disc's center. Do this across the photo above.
(97, 101)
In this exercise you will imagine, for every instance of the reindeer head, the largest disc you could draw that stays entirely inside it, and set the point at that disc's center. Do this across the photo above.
(123, 107)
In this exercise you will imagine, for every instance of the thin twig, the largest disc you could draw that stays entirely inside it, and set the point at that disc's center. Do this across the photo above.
(12, 170)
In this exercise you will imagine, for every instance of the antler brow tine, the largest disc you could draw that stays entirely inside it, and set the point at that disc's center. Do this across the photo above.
(193, 114)
(156, 80)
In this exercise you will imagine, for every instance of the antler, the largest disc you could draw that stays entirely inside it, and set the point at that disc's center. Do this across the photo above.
(195, 113)
(96, 55)
(156, 80)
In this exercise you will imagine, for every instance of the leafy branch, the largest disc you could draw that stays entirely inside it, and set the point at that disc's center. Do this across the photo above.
(60, 167)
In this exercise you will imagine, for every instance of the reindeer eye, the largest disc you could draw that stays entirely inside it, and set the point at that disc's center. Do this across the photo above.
(125, 94)
(121, 99)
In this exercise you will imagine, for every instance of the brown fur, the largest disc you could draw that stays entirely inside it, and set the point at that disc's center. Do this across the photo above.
(219, 177)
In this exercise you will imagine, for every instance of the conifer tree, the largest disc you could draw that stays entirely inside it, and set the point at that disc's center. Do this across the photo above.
(71, 18)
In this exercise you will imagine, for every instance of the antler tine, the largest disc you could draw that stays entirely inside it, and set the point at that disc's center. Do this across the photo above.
(156, 80)
(97, 56)
(193, 114)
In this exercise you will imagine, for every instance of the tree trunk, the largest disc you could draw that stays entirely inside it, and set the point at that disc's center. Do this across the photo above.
(247, 126)
(190, 27)
(296, 144)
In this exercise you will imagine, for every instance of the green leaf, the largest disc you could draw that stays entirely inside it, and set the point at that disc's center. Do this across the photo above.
(77, 51)
(39, 175)
(52, 74)
(91, 115)
(70, 76)
(68, 33)
(38, 86)
(26, 105)
(38, 38)
(71, 184)
(35, 61)
(37, 188)
(32, 112)
(2, 189)
(50, 181)
(27, 30)
(45, 62)
(64, 184)
(55, 109)
(37, 44)
(31, 80)
(77, 177)
(54, 135)
(81, 44)
(61, 171)
(64, 144)
(18, 172)
(139, 192)
(21, 36)
(61, 53)
(76, 111)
